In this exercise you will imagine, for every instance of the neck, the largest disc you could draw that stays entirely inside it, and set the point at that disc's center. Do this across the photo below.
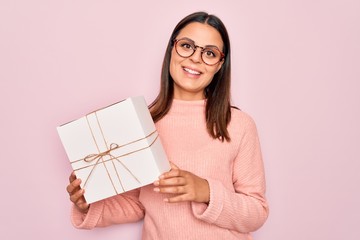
(188, 96)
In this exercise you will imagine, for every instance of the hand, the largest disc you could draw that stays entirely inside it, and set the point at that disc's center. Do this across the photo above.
(77, 194)
(184, 185)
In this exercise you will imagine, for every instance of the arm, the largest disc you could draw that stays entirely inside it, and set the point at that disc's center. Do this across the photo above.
(244, 208)
(122, 208)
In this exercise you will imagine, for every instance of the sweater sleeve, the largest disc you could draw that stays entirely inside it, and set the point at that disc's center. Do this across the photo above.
(122, 208)
(243, 208)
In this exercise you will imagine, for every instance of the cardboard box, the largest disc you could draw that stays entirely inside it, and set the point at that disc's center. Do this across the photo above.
(114, 149)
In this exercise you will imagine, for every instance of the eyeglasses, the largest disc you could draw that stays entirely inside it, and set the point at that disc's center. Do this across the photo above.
(210, 55)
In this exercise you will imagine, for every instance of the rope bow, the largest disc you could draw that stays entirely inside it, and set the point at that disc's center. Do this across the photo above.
(97, 156)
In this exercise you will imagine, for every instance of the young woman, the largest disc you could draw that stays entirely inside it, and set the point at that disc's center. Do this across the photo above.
(216, 187)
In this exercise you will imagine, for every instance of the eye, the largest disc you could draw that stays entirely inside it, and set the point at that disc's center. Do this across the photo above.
(210, 53)
(186, 45)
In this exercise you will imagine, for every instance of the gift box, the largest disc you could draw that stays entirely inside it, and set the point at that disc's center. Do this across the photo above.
(114, 149)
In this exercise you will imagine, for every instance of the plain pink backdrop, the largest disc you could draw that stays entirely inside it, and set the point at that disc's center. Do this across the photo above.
(296, 70)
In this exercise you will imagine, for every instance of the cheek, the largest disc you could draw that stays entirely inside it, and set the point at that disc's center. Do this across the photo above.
(219, 67)
(215, 69)
(174, 65)
(211, 71)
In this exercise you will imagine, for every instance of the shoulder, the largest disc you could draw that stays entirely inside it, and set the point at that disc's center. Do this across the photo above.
(241, 122)
(239, 116)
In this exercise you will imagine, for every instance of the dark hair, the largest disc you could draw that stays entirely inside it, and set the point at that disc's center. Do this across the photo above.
(217, 93)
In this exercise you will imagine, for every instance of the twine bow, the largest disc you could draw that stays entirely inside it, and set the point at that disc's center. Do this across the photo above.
(98, 156)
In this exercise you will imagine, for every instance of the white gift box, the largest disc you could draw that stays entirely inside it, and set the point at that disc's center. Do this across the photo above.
(114, 149)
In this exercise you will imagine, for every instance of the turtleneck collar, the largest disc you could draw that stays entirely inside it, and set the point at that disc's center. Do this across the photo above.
(187, 107)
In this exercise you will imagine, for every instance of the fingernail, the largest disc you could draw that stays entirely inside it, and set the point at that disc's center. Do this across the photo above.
(161, 177)
(156, 183)
(166, 200)
(156, 189)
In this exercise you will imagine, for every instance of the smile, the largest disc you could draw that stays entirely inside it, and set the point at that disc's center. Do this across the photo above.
(191, 71)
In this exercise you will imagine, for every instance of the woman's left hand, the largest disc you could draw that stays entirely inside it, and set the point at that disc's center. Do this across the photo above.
(184, 185)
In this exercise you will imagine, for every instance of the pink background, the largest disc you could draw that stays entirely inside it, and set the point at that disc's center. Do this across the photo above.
(296, 70)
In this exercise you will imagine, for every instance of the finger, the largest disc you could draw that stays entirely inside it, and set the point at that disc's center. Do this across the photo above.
(74, 185)
(173, 166)
(82, 205)
(72, 176)
(172, 190)
(174, 181)
(81, 202)
(172, 173)
(77, 195)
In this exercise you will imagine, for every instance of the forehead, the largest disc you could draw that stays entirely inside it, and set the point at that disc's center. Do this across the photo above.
(202, 34)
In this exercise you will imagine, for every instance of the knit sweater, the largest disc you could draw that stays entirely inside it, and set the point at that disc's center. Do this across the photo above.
(234, 171)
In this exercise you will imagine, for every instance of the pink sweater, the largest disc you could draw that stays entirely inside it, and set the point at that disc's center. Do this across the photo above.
(233, 169)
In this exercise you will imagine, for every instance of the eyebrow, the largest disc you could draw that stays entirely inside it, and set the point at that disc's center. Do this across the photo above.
(206, 46)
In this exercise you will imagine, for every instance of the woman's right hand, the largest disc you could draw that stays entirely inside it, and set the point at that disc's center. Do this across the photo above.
(77, 194)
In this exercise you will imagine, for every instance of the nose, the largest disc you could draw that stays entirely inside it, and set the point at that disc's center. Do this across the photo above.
(196, 57)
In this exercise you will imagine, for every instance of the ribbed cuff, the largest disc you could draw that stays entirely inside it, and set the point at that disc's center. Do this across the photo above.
(87, 220)
(210, 213)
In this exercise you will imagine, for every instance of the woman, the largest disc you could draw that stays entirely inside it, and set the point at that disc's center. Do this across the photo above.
(216, 187)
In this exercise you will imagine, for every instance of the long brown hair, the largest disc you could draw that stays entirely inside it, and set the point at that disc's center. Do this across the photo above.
(217, 93)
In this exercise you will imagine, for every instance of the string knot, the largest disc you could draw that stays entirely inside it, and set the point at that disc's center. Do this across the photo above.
(97, 156)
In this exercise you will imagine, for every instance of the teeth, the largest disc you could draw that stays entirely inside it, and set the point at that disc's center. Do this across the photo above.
(191, 71)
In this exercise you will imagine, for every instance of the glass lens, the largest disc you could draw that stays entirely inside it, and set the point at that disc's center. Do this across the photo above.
(185, 48)
(211, 55)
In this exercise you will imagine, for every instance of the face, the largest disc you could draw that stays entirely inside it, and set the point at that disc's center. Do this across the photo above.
(191, 75)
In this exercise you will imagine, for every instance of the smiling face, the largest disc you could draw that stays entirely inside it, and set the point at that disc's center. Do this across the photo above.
(191, 75)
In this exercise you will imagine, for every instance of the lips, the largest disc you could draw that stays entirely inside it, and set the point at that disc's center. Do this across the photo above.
(191, 71)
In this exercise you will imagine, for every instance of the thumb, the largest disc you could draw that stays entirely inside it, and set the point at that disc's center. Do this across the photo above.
(173, 166)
